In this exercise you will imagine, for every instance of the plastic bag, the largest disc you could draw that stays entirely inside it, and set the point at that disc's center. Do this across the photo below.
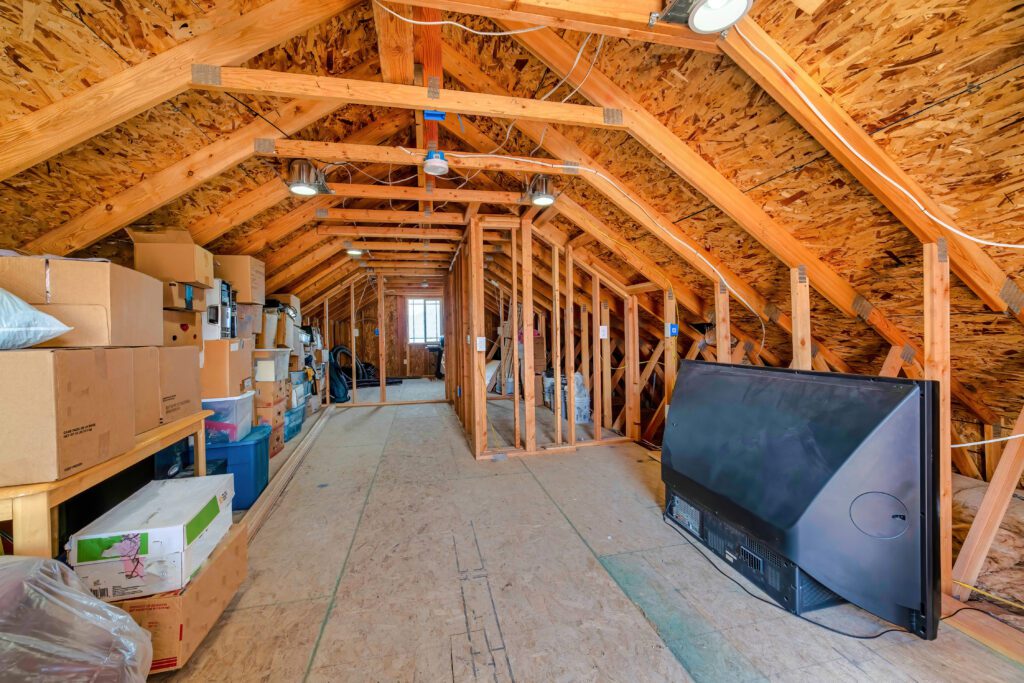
(22, 325)
(52, 628)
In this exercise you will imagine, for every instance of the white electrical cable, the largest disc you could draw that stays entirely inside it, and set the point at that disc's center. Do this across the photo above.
(860, 156)
(455, 23)
(581, 168)
(982, 443)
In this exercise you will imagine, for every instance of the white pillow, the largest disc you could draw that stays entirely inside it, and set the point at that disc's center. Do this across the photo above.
(22, 325)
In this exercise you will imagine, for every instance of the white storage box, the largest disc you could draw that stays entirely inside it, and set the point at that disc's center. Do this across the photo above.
(155, 540)
(270, 365)
(232, 417)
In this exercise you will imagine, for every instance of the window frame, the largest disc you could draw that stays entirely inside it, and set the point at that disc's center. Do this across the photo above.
(410, 305)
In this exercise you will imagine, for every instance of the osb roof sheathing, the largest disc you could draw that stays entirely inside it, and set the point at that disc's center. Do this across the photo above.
(939, 86)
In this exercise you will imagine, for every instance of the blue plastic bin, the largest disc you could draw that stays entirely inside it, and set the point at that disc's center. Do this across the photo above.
(293, 421)
(249, 461)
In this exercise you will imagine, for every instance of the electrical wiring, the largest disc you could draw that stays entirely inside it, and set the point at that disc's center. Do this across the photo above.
(1011, 603)
(455, 23)
(618, 188)
(909, 195)
(988, 441)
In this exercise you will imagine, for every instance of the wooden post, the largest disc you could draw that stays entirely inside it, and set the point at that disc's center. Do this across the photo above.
(937, 367)
(585, 346)
(327, 344)
(723, 336)
(570, 349)
(503, 362)
(352, 335)
(556, 342)
(801, 298)
(478, 380)
(515, 329)
(671, 347)
(595, 392)
(632, 332)
(990, 513)
(528, 379)
(606, 366)
(382, 356)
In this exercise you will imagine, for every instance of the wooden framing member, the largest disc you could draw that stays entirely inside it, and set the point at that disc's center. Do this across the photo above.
(352, 332)
(597, 396)
(671, 346)
(606, 365)
(382, 355)
(266, 83)
(556, 341)
(363, 232)
(723, 335)
(438, 194)
(585, 345)
(530, 417)
(632, 361)
(801, 297)
(570, 345)
(386, 216)
(239, 210)
(937, 367)
(516, 324)
(478, 383)
(327, 345)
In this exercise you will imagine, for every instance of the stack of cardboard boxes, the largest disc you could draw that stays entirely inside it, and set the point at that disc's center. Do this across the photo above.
(85, 397)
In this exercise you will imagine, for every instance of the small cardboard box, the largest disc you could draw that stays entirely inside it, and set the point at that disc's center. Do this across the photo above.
(63, 411)
(288, 299)
(266, 338)
(105, 304)
(285, 333)
(271, 393)
(155, 539)
(172, 256)
(146, 371)
(248, 320)
(182, 328)
(179, 383)
(225, 367)
(246, 275)
(179, 296)
(271, 415)
(179, 621)
(276, 440)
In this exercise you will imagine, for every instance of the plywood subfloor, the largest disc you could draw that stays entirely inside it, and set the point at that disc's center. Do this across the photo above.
(501, 425)
(394, 556)
(415, 389)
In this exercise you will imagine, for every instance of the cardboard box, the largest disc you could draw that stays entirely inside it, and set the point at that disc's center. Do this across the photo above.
(289, 300)
(285, 333)
(107, 305)
(155, 539)
(276, 440)
(172, 256)
(246, 275)
(266, 338)
(271, 415)
(179, 621)
(179, 296)
(225, 368)
(63, 411)
(179, 383)
(182, 328)
(248, 320)
(271, 393)
(146, 373)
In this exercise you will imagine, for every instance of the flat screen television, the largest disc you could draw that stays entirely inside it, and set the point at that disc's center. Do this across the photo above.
(817, 487)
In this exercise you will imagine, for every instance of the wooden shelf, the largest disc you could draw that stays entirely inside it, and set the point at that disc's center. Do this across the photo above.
(33, 507)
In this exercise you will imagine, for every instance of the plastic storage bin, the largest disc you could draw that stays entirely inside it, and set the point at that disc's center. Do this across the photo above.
(249, 461)
(293, 422)
(270, 365)
(232, 418)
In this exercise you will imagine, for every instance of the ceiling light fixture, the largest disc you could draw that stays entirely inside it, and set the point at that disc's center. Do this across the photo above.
(305, 179)
(435, 164)
(540, 192)
(715, 16)
(354, 252)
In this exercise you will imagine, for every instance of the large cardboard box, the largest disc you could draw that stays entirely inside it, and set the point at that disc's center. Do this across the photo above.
(179, 383)
(179, 621)
(172, 256)
(288, 299)
(105, 304)
(155, 539)
(272, 393)
(63, 411)
(183, 328)
(146, 372)
(246, 275)
(179, 296)
(225, 367)
(285, 333)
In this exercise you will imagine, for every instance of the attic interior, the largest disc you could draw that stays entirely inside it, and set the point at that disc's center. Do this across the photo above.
(587, 280)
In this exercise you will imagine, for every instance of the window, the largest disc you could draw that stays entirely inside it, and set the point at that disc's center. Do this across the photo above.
(424, 321)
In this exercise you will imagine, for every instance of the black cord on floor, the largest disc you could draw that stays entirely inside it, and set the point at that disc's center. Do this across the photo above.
(780, 607)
